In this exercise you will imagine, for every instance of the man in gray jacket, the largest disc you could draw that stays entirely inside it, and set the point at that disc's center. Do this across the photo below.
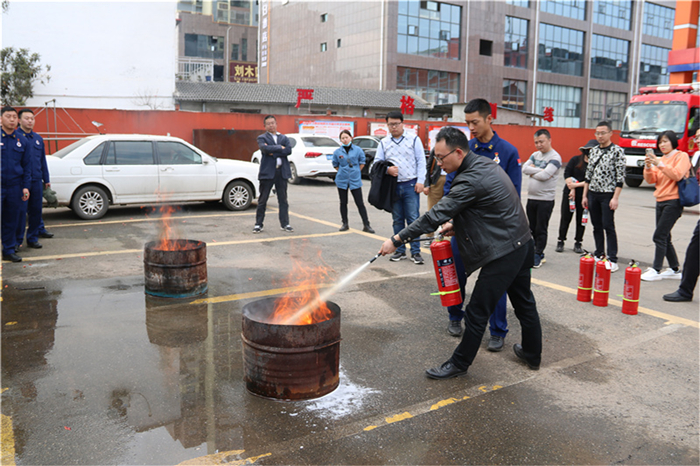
(483, 211)
(542, 168)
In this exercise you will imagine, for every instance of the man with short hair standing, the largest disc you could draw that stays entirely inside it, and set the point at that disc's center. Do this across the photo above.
(542, 168)
(16, 169)
(601, 190)
(405, 152)
(274, 171)
(40, 179)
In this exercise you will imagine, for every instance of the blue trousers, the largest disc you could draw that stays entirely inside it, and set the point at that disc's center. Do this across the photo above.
(11, 200)
(406, 211)
(31, 209)
(498, 325)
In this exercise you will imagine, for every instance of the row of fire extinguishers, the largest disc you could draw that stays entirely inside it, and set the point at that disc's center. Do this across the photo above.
(600, 286)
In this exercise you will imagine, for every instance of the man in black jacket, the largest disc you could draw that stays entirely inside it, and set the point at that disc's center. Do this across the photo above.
(484, 212)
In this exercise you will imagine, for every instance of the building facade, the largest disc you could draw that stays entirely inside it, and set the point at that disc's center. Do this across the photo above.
(584, 59)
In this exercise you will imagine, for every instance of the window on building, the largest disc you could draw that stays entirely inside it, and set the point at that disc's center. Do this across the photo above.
(575, 9)
(324, 17)
(242, 3)
(429, 28)
(324, 46)
(565, 100)
(244, 49)
(514, 94)
(515, 52)
(560, 50)
(437, 87)
(602, 103)
(338, 43)
(617, 14)
(198, 45)
(485, 47)
(658, 20)
(522, 3)
(609, 58)
(234, 52)
(653, 63)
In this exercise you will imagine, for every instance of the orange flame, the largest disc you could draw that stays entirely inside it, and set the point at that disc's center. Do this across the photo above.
(305, 278)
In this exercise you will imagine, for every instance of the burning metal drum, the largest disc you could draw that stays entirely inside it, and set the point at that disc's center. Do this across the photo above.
(175, 268)
(289, 362)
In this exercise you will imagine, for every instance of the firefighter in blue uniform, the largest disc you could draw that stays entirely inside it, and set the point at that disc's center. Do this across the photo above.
(40, 179)
(16, 177)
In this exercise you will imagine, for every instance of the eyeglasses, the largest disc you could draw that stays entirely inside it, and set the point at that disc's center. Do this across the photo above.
(440, 159)
(601, 133)
(394, 125)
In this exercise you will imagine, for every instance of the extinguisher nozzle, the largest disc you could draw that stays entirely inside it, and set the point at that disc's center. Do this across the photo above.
(374, 258)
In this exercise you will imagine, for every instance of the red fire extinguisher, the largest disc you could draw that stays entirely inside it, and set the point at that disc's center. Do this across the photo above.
(585, 278)
(446, 273)
(630, 293)
(601, 289)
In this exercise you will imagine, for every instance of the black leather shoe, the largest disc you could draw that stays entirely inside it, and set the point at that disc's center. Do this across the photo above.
(455, 328)
(344, 227)
(560, 246)
(577, 248)
(46, 234)
(518, 349)
(446, 371)
(368, 229)
(11, 257)
(36, 245)
(676, 297)
(496, 343)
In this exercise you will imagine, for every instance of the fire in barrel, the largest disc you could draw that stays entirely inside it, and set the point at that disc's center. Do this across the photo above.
(291, 344)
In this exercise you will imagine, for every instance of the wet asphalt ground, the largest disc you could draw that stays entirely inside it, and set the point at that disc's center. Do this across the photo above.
(96, 372)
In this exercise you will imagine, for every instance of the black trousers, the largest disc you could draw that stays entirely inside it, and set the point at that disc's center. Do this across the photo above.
(567, 215)
(511, 274)
(538, 214)
(603, 221)
(357, 196)
(667, 213)
(280, 184)
(691, 265)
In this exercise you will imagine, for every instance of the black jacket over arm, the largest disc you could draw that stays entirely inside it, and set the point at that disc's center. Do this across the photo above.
(382, 193)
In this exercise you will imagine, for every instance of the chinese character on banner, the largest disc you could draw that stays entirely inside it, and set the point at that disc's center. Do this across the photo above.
(407, 105)
(494, 110)
(548, 114)
(304, 94)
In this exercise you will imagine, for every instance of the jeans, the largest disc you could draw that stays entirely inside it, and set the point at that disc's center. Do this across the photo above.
(567, 215)
(691, 266)
(667, 213)
(603, 220)
(498, 324)
(511, 274)
(538, 214)
(357, 196)
(406, 211)
(280, 184)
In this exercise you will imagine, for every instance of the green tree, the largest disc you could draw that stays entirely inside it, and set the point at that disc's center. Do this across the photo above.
(20, 70)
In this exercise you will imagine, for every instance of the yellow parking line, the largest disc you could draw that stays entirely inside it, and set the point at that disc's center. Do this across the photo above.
(8, 441)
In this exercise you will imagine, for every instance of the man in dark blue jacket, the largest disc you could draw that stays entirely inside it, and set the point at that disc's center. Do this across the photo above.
(16, 178)
(40, 180)
(274, 171)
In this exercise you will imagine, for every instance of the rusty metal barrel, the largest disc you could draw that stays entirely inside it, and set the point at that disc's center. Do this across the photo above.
(289, 362)
(175, 325)
(178, 270)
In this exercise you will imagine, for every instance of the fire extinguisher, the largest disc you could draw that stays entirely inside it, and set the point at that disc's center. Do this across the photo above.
(630, 293)
(585, 278)
(446, 273)
(601, 289)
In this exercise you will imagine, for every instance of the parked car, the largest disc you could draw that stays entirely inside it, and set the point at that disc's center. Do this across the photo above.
(369, 145)
(117, 169)
(312, 156)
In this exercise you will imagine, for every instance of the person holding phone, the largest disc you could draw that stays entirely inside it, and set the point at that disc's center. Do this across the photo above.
(665, 172)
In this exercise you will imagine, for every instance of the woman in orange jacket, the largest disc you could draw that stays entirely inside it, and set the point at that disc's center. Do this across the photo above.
(665, 172)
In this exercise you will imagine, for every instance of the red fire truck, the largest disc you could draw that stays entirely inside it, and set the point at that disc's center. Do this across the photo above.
(657, 109)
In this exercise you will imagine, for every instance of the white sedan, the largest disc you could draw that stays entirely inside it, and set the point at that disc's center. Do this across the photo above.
(117, 169)
(312, 156)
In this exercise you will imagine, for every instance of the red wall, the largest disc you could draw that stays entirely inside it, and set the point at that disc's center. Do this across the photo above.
(77, 122)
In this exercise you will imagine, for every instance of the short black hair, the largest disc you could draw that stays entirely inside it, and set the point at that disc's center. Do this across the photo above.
(671, 135)
(23, 111)
(268, 117)
(7, 109)
(453, 138)
(604, 123)
(394, 114)
(543, 132)
(478, 105)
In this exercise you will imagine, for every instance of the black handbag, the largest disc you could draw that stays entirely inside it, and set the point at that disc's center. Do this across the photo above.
(689, 191)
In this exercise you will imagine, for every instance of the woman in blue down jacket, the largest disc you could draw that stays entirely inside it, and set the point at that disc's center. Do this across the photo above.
(348, 160)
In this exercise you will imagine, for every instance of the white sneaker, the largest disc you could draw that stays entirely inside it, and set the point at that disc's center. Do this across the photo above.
(670, 273)
(651, 275)
(614, 267)
(598, 258)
